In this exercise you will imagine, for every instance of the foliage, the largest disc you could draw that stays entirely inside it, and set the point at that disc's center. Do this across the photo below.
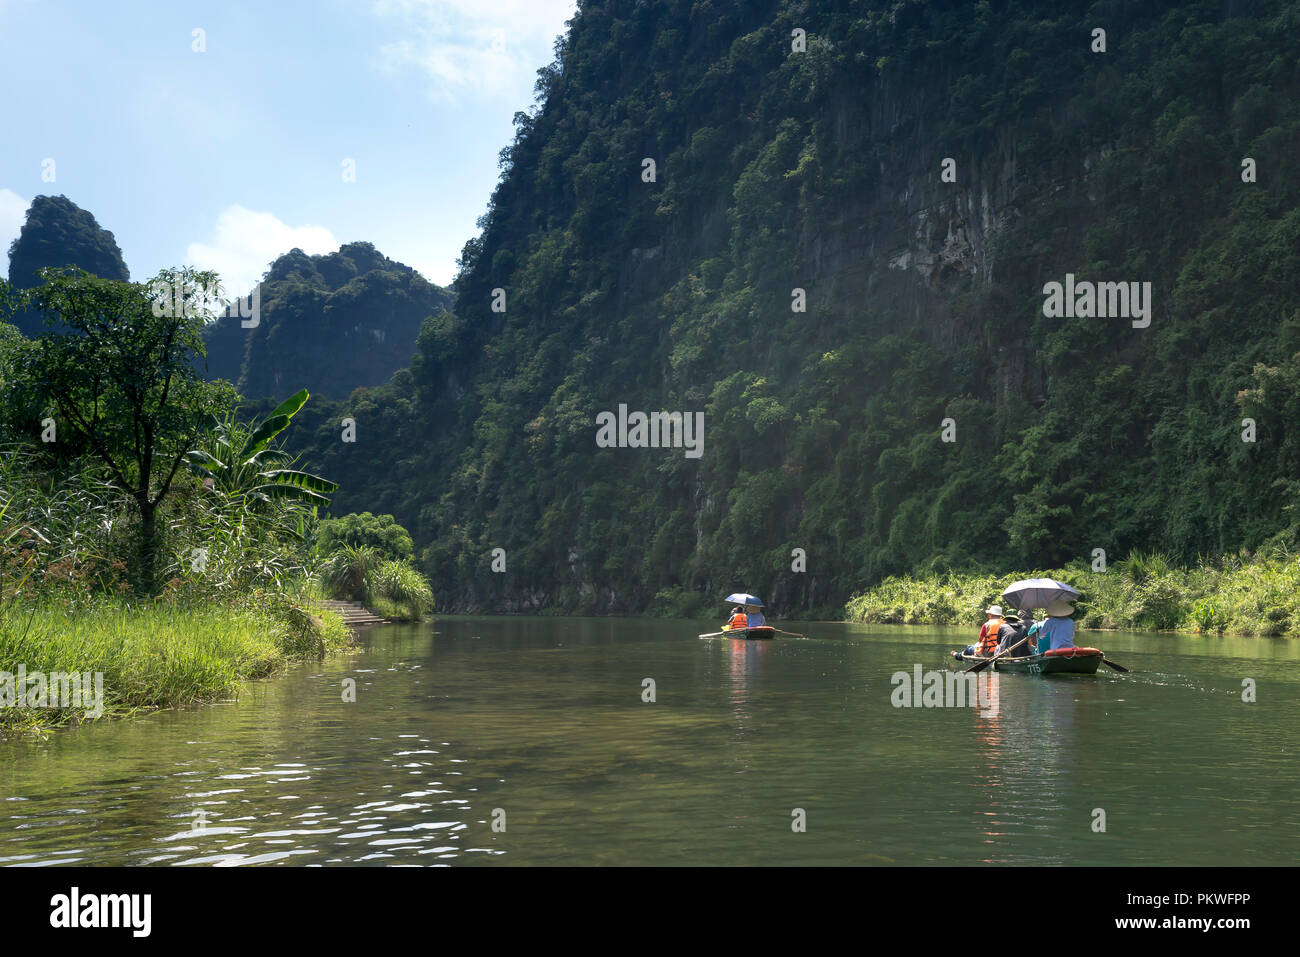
(341, 321)
(380, 532)
(238, 460)
(59, 233)
(117, 373)
(347, 573)
(1259, 595)
(156, 656)
(823, 428)
(401, 583)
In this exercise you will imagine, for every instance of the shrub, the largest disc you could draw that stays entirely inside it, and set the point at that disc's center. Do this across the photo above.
(346, 574)
(401, 583)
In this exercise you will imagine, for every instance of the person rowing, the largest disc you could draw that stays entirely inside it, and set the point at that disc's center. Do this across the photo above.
(1009, 635)
(754, 617)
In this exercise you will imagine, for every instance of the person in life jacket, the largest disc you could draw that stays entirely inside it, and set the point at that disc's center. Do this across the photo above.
(988, 639)
(737, 620)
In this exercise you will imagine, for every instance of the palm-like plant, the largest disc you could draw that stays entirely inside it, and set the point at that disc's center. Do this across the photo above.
(241, 462)
(347, 573)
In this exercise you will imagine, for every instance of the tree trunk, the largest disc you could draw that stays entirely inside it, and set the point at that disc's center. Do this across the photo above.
(148, 546)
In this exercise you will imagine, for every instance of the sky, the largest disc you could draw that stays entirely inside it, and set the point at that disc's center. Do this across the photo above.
(221, 134)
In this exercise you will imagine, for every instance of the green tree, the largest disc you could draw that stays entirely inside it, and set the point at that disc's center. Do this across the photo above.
(380, 532)
(116, 367)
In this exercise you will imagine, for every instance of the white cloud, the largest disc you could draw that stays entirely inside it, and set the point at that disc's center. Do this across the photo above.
(246, 242)
(487, 48)
(13, 212)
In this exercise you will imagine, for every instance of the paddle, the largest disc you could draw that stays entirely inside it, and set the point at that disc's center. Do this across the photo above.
(1107, 661)
(790, 633)
(988, 661)
(730, 631)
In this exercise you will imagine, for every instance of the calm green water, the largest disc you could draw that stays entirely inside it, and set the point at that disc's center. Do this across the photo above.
(544, 719)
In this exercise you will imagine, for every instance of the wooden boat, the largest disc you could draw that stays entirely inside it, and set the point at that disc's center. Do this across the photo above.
(759, 632)
(1062, 661)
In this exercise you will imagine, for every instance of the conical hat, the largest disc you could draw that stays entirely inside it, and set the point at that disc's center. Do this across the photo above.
(1060, 609)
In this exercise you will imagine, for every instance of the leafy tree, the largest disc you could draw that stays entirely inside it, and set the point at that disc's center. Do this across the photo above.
(117, 372)
(380, 532)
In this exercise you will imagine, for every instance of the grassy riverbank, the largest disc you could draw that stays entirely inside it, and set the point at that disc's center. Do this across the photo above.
(1258, 596)
(153, 656)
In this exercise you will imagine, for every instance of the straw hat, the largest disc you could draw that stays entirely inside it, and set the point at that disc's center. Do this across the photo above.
(1060, 609)
(995, 610)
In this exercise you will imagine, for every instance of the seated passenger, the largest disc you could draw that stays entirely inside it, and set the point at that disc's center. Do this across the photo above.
(1009, 635)
(737, 620)
(1059, 626)
(988, 639)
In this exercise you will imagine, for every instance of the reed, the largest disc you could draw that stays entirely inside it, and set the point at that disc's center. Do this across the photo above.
(1237, 594)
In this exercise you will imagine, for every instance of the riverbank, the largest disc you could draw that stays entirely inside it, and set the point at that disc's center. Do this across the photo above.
(1252, 597)
(132, 658)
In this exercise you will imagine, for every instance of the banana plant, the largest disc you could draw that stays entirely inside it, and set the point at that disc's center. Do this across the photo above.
(241, 462)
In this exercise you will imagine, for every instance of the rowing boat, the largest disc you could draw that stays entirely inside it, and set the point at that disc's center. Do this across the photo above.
(1061, 661)
(755, 633)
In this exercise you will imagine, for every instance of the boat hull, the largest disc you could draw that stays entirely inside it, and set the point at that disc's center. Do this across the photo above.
(761, 633)
(1064, 661)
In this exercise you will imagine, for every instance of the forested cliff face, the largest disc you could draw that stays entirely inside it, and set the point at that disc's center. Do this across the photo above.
(832, 229)
(58, 232)
(330, 323)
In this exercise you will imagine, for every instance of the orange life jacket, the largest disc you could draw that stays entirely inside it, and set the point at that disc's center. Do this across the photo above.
(988, 639)
(738, 620)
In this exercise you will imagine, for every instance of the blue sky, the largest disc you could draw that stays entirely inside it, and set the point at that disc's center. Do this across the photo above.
(226, 158)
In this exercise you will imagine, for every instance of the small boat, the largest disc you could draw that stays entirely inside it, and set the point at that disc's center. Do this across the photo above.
(751, 604)
(1061, 661)
(756, 633)
(762, 631)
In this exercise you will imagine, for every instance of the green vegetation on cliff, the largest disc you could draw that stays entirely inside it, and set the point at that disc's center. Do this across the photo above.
(820, 170)
(331, 323)
(58, 233)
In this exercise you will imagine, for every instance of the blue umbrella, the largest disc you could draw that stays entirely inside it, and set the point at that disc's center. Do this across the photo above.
(1038, 593)
(742, 599)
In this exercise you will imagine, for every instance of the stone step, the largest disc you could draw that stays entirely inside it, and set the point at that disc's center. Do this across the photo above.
(353, 613)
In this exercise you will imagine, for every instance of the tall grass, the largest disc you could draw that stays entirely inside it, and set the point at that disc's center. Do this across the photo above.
(392, 589)
(1243, 595)
(155, 656)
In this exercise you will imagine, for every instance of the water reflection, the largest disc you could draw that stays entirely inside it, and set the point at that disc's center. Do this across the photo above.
(545, 719)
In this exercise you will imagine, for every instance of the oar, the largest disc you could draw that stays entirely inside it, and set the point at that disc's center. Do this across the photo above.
(1107, 661)
(988, 661)
(729, 631)
(790, 633)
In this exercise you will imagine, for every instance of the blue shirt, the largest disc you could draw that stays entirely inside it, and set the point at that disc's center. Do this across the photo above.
(755, 618)
(1060, 632)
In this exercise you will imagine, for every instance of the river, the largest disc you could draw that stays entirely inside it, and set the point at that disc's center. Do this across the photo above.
(490, 741)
